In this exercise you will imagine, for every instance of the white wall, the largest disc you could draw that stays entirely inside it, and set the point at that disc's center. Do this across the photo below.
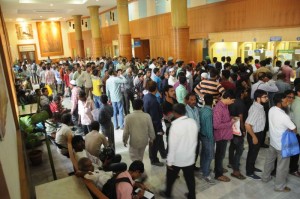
(13, 40)
(9, 153)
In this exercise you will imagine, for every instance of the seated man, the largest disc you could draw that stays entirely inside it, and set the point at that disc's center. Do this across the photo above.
(124, 190)
(107, 160)
(86, 167)
(94, 139)
(52, 124)
(61, 137)
(44, 99)
(56, 105)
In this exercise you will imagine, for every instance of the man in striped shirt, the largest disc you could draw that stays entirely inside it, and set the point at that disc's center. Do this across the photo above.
(210, 86)
(255, 124)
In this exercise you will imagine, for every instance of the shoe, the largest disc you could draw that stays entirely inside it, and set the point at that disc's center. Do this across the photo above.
(266, 180)
(264, 146)
(209, 180)
(117, 128)
(238, 176)
(253, 176)
(122, 128)
(286, 189)
(257, 170)
(159, 164)
(163, 194)
(223, 179)
(229, 166)
(296, 173)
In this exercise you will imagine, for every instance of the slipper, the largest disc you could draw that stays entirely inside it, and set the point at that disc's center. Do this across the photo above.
(239, 176)
(296, 173)
(285, 189)
(223, 179)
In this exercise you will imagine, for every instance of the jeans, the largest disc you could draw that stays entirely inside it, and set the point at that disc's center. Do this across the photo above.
(118, 114)
(294, 160)
(207, 154)
(253, 152)
(219, 156)
(188, 173)
(128, 96)
(236, 149)
(97, 101)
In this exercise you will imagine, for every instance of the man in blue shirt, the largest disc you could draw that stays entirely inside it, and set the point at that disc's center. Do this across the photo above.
(153, 108)
(207, 137)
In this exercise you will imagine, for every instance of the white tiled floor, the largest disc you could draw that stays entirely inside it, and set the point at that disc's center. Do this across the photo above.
(235, 189)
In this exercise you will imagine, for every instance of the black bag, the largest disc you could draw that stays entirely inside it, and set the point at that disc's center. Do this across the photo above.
(109, 188)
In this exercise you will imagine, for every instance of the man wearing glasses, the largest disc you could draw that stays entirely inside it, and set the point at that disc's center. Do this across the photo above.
(255, 124)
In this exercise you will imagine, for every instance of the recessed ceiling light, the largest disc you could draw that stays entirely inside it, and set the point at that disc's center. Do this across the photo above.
(51, 4)
(41, 16)
(20, 19)
(97, 0)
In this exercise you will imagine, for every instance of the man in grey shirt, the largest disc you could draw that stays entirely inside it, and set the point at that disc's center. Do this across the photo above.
(281, 84)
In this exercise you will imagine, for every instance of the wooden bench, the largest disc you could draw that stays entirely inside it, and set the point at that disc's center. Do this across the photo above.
(89, 184)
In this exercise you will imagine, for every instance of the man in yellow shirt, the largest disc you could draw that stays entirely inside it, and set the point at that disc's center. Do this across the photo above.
(96, 88)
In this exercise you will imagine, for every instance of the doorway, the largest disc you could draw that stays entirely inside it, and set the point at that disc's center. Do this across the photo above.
(141, 48)
(27, 52)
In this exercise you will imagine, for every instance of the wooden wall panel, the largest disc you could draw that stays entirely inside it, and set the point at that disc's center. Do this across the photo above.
(234, 15)
(196, 50)
(87, 41)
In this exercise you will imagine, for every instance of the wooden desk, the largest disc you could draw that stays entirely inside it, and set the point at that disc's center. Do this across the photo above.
(30, 109)
(69, 187)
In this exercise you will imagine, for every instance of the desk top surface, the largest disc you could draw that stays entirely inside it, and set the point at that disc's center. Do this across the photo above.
(69, 187)
(29, 109)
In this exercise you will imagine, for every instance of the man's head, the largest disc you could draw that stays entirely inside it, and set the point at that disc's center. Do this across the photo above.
(136, 169)
(241, 92)
(263, 77)
(104, 99)
(96, 72)
(223, 58)
(88, 68)
(85, 164)
(213, 73)
(226, 74)
(182, 79)
(169, 91)
(172, 72)
(78, 143)
(156, 71)
(148, 72)
(297, 90)
(179, 110)
(281, 76)
(95, 126)
(260, 96)
(191, 100)
(287, 63)
(119, 72)
(82, 96)
(280, 100)
(228, 97)
(228, 59)
(45, 91)
(152, 86)
(290, 95)
(208, 99)
(215, 59)
(137, 104)
(66, 118)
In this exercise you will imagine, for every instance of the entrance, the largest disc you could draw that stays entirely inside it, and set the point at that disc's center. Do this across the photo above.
(27, 52)
(141, 48)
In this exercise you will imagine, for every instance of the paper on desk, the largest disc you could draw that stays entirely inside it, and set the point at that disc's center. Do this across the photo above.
(147, 194)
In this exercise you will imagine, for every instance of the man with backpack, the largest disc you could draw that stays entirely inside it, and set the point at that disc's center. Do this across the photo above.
(122, 185)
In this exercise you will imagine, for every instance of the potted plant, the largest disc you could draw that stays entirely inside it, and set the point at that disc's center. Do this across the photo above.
(32, 140)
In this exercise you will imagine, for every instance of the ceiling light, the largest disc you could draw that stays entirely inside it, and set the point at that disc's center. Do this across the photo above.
(20, 19)
(51, 4)
(41, 16)
(54, 18)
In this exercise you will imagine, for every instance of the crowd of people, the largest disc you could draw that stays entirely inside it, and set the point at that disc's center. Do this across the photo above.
(200, 108)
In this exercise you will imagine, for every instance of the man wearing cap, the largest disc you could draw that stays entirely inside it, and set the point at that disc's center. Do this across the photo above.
(74, 100)
(172, 79)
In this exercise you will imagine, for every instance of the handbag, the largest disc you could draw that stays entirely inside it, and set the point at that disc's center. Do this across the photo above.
(290, 144)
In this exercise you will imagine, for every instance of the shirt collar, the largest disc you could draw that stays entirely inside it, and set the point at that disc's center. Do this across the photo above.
(180, 118)
(258, 104)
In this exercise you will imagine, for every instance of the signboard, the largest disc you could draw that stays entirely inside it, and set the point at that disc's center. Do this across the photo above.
(257, 51)
(297, 51)
(286, 51)
(250, 52)
(275, 38)
(26, 48)
(269, 53)
(137, 43)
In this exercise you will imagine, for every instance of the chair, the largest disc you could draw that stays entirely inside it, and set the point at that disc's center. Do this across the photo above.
(90, 185)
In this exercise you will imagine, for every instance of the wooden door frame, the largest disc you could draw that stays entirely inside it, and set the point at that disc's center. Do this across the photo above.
(35, 52)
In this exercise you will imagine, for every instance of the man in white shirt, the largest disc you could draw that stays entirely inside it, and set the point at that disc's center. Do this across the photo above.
(279, 122)
(181, 155)
(172, 79)
(87, 78)
(63, 133)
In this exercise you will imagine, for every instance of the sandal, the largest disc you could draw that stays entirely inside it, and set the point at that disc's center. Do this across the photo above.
(238, 176)
(285, 189)
(223, 179)
(296, 173)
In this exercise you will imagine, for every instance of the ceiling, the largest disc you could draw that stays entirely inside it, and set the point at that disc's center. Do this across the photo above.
(40, 10)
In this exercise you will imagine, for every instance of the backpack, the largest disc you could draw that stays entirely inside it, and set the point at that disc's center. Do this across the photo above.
(109, 188)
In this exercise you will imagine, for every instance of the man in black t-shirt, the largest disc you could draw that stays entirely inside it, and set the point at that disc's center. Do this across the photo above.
(238, 109)
(167, 107)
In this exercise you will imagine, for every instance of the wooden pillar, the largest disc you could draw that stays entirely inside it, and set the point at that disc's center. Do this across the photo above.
(124, 31)
(95, 29)
(78, 36)
(180, 30)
